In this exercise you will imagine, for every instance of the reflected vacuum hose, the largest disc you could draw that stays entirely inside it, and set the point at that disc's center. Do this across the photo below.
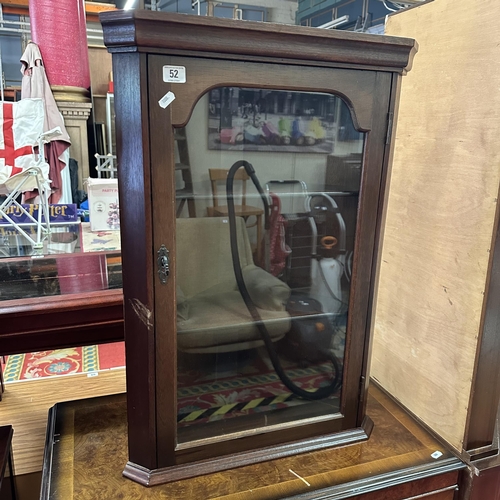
(320, 393)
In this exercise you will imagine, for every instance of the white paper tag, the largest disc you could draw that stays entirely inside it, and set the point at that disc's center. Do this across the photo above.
(174, 74)
(92, 374)
(436, 454)
(166, 99)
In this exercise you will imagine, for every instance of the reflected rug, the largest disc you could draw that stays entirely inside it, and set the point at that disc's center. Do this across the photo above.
(210, 388)
(64, 362)
(232, 386)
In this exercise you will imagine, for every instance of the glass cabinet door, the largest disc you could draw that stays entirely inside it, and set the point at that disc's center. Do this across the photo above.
(264, 262)
(264, 207)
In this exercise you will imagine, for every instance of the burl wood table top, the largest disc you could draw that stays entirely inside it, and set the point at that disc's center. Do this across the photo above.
(90, 452)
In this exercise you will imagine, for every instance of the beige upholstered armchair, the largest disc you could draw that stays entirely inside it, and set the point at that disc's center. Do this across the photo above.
(211, 315)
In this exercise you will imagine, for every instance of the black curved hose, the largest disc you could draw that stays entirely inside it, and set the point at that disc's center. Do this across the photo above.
(322, 392)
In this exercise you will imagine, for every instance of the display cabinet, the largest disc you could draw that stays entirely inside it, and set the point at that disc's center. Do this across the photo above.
(248, 326)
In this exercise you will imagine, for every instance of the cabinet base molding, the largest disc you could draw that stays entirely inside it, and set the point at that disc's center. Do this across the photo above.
(153, 477)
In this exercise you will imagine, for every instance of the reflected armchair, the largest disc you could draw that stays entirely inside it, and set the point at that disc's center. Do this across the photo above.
(211, 315)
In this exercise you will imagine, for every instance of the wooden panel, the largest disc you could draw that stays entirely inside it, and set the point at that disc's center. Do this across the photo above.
(355, 88)
(60, 321)
(483, 412)
(100, 69)
(20, 7)
(440, 214)
(163, 195)
(126, 31)
(132, 140)
(486, 485)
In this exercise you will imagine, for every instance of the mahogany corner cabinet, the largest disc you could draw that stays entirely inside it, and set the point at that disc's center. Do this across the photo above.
(253, 160)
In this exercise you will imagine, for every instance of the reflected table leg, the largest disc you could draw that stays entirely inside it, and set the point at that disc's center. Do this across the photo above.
(2, 384)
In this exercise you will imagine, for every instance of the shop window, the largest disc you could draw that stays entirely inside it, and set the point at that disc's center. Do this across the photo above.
(253, 14)
(321, 19)
(378, 11)
(11, 51)
(353, 9)
(226, 11)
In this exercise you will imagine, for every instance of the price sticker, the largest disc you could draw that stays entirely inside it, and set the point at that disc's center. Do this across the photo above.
(174, 74)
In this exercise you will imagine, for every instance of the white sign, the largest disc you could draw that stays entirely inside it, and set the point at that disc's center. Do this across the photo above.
(166, 99)
(174, 74)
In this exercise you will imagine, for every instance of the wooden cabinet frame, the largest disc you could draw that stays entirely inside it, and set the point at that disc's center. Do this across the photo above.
(361, 69)
(55, 322)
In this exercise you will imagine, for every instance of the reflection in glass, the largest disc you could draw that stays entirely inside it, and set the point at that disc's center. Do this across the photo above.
(59, 248)
(263, 278)
(25, 277)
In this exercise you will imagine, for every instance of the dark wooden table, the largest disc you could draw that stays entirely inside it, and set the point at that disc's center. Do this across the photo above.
(87, 449)
(7, 485)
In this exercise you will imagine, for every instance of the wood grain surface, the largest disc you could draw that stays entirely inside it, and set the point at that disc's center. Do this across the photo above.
(92, 449)
(100, 69)
(145, 31)
(30, 325)
(439, 222)
(355, 88)
(25, 406)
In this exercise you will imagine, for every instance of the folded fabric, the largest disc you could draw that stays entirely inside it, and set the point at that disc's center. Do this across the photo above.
(222, 323)
(266, 291)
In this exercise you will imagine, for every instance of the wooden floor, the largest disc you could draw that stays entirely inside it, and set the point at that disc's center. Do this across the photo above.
(25, 406)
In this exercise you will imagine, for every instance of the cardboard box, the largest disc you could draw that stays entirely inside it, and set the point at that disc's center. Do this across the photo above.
(103, 204)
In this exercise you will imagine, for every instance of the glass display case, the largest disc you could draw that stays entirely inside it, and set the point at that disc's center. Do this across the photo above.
(248, 308)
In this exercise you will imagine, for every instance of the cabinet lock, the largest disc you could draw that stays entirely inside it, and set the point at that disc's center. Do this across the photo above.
(163, 264)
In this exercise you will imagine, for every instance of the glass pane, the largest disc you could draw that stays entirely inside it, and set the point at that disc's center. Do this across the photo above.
(252, 15)
(224, 11)
(262, 297)
(73, 258)
(64, 238)
(11, 50)
(321, 19)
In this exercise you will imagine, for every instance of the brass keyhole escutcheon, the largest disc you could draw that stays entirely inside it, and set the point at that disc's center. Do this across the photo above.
(163, 263)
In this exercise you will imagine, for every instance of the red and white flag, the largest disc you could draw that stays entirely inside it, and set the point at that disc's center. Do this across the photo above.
(21, 123)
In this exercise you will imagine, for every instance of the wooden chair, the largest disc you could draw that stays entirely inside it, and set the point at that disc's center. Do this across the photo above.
(219, 175)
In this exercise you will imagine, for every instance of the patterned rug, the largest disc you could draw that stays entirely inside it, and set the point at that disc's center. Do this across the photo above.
(240, 384)
(64, 362)
(210, 388)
